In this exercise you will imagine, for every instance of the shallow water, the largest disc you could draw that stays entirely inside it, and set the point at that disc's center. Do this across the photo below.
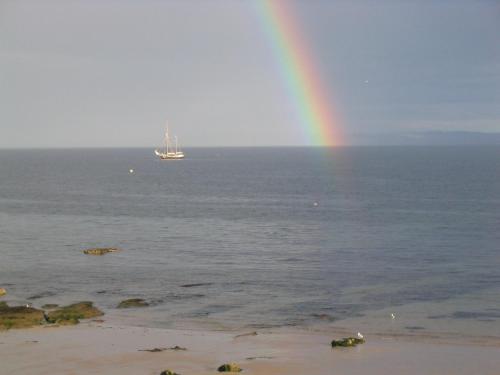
(275, 236)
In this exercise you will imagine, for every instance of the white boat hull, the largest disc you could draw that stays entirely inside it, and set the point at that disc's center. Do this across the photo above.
(169, 155)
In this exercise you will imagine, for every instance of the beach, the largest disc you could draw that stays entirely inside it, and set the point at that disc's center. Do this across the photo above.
(101, 348)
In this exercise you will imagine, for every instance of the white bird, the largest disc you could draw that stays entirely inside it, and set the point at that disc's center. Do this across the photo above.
(131, 170)
(315, 204)
(393, 316)
(360, 335)
(28, 305)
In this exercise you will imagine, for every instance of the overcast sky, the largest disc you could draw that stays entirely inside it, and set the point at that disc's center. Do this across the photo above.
(109, 73)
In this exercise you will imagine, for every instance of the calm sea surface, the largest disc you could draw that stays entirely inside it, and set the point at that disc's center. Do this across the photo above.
(273, 236)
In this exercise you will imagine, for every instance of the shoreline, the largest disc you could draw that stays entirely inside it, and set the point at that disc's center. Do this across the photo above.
(104, 348)
(139, 318)
(337, 328)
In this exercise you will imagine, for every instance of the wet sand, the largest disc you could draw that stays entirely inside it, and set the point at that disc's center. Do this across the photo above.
(101, 348)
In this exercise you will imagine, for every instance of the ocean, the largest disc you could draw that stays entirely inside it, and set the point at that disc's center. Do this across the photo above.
(244, 238)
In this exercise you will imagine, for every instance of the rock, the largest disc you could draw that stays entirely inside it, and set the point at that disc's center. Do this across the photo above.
(132, 302)
(72, 314)
(19, 316)
(100, 251)
(157, 350)
(3, 292)
(229, 367)
(168, 372)
(348, 342)
(177, 348)
(49, 306)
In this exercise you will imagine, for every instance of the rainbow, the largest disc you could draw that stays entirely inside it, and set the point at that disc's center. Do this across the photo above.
(300, 74)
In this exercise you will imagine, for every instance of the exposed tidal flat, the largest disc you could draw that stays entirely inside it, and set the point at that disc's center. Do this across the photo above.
(99, 348)
(310, 247)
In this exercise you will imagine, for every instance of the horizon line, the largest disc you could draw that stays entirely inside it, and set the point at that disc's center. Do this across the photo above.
(259, 146)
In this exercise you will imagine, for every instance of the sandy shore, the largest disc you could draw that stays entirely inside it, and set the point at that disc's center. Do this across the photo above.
(99, 348)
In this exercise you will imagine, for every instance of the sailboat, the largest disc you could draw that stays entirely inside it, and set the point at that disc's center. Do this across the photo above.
(170, 152)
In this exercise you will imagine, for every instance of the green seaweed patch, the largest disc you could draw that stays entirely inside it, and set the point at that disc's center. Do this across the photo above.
(19, 316)
(72, 314)
(50, 306)
(347, 342)
(168, 372)
(229, 367)
(100, 250)
(132, 302)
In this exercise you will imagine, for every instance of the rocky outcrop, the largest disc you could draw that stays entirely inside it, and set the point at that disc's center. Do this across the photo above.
(132, 302)
(19, 316)
(100, 250)
(72, 314)
(168, 372)
(347, 342)
(229, 367)
(177, 348)
(158, 350)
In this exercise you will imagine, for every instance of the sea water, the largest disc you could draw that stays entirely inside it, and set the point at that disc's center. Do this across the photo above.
(260, 237)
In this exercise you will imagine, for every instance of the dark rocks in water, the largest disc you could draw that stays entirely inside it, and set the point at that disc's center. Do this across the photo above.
(3, 292)
(132, 302)
(168, 372)
(25, 316)
(72, 314)
(100, 250)
(19, 316)
(50, 306)
(229, 367)
(347, 342)
(194, 285)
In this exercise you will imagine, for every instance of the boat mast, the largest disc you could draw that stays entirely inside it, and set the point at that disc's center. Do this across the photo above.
(167, 140)
(175, 144)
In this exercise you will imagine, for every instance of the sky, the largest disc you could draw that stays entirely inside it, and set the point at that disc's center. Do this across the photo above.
(110, 73)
